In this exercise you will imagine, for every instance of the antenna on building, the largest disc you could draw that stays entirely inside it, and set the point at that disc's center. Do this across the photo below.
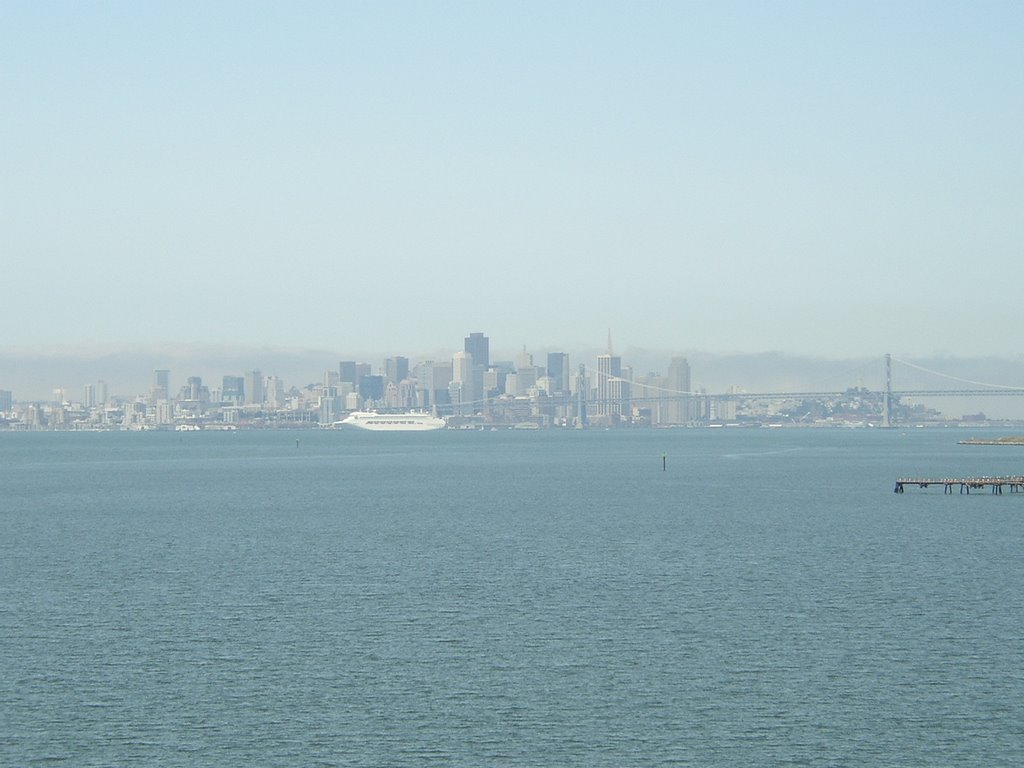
(609, 341)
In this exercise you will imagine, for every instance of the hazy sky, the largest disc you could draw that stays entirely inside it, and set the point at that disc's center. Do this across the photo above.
(818, 178)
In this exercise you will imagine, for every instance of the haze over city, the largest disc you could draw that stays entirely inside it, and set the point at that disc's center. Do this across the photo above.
(799, 178)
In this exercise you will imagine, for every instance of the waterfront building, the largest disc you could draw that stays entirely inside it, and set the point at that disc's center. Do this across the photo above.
(6, 400)
(725, 407)
(135, 413)
(34, 416)
(58, 417)
(164, 412)
(329, 405)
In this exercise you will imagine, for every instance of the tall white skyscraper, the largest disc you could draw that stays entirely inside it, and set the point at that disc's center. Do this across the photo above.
(275, 392)
(608, 367)
(164, 411)
(679, 410)
(461, 387)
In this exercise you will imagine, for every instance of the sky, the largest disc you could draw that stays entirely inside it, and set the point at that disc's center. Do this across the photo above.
(835, 179)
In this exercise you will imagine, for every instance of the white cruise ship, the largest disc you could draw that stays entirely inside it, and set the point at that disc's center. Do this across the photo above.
(392, 422)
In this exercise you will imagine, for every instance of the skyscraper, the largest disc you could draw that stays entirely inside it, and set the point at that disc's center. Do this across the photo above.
(254, 388)
(275, 392)
(461, 387)
(679, 411)
(161, 384)
(479, 346)
(347, 372)
(423, 373)
(396, 369)
(232, 390)
(371, 387)
(558, 371)
(193, 389)
(618, 396)
(609, 367)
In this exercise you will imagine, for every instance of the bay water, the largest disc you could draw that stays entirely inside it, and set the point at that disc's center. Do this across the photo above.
(710, 597)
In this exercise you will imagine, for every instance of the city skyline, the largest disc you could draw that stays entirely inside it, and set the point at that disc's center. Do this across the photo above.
(231, 371)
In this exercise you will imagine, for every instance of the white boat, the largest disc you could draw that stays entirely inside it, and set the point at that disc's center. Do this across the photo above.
(391, 422)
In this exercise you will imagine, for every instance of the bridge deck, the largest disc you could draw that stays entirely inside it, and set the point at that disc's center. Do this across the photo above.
(1014, 482)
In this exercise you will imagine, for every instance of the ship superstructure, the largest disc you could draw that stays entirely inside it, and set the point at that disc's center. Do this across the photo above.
(392, 422)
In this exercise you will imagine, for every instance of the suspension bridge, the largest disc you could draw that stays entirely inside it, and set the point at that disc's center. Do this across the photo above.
(645, 393)
(892, 395)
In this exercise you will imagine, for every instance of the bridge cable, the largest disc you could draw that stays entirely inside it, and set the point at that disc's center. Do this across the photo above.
(953, 378)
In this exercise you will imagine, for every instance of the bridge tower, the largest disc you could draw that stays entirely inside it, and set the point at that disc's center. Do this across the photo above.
(888, 391)
(581, 398)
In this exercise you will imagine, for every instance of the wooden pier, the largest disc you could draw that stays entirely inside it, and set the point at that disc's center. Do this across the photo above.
(996, 484)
